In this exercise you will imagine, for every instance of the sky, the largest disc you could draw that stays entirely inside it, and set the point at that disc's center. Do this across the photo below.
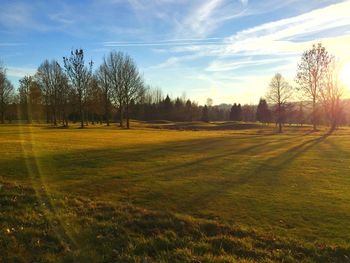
(227, 50)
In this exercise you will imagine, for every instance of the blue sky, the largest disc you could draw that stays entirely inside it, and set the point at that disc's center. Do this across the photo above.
(223, 49)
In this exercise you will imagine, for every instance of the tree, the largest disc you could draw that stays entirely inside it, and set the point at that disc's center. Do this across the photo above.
(209, 102)
(113, 66)
(248, 113)
(239, 112)
(188, 110)
(6, 93)
(35, 100)
(263, 113)
(95, 100)
(133, 85)
(236, 112)
(24, 97)
(331, 92)
(205, 114)
(300, 118)
(106, 87)
(50, 76)
(79, 75)
(311, 73)
(279, 93)
(167, 107)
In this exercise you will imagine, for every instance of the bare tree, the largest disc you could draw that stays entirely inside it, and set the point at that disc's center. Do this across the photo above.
(50, 75)
(310, 74)
(106, 87)
(64, 99)
(113, 65)
(79, 75)
(209, 102)
(24, 97)
(133, 86)
(6, 93)
(279, 93)
(95, 100)
(331, 93)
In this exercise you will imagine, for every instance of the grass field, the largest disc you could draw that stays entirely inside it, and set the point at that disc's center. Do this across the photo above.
(164, 195)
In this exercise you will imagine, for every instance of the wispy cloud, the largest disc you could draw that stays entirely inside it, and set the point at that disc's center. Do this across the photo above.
(202, 19)
(249, 57)
(221, 65)
(20, 72)
(168, 42)
(277, 38)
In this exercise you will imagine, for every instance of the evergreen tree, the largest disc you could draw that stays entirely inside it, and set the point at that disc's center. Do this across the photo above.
(233, 112)
(205, 114)
(236, 112)
(239, 112)
(263, 113)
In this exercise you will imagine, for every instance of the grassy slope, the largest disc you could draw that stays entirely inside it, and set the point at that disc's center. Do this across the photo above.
(102, 193)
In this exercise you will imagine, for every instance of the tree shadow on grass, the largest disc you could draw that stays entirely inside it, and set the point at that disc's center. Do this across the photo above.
(275, 164)
(267, 171)
(212, 151)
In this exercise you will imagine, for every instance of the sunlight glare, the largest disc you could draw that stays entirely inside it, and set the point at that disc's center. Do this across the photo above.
(345, 75)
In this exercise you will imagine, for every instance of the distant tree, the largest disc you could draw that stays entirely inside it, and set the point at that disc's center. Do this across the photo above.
(178, 104)
(239, 112)
(236, 112)
(107, 89)
(233, 112)
(167, 107)
(133, 85)
(205, 114)
(35, 100)
(114, 67)
(6, 93)
(248, 113)
(209, 102)
(79, 75)
(311, 73)
(24, 97)
(50, 76)
(189, 110)
(279, 92)
(331, 92)
(300, 116)
(263, 113)
(66, 99)
(95, 100)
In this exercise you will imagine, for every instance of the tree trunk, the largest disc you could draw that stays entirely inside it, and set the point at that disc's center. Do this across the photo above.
(107, 111)
(121, 116)
(314, 114)
(279, 117)
(81, 117)
(127, 116)
(54, 117)
(47, 114)
(2, 116)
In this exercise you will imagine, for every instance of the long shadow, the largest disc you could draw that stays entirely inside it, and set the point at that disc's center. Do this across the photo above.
(284, 159)
(231, 152)
(95, 159)
(269, 165)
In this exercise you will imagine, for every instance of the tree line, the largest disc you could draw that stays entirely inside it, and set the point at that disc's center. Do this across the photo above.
(116, 91)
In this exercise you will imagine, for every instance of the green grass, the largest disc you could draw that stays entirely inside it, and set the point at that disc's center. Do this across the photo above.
(164, 195)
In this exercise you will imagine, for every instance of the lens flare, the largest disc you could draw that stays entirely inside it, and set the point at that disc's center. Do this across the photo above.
(345, 75)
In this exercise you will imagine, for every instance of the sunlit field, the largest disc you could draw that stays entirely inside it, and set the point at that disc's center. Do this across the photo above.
(165, 193)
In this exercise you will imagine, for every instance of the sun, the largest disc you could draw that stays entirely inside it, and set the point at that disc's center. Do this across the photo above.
(344, 75)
